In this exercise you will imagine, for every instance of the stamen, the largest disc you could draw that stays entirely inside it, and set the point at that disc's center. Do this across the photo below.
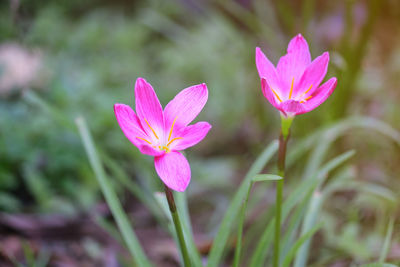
(143, 139)
(304, 100)
(291, 89)
(309, 88)
(277, 96)
(154, 132)
(176, 138)
(172, 127)
(166, 149)
(304, 93)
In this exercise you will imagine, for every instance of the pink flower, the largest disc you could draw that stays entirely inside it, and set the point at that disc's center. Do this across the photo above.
(163, 134)
(293, 87)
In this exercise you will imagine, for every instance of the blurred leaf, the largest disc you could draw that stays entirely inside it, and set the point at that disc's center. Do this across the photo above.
(299, 242)
(388, 238)
(308, 224)
(378, 265)
(299, 193)
(182, 207)
(242, 215)
(111, 197)
(234, 207)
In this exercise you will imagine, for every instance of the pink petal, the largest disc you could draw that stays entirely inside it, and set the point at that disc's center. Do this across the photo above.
(185, 106)
(149, 109)
(266, 69)
(299, 48)
(320, 95)
(268, 94)
(313, 75)
(130, 126)
(191, 135)
(292, 108)
(149, 150)
(291, 66)
(174, 170)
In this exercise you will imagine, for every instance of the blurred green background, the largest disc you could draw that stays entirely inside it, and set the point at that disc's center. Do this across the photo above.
(64, 59)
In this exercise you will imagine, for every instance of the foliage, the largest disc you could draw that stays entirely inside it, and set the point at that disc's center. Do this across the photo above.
(93, 51)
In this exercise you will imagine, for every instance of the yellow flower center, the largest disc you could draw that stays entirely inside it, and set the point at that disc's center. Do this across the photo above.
(159, 146)
(291, 92)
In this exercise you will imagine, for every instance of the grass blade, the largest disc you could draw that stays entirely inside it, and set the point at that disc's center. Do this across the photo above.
(386, 243)
(115, 206)
(181, 205)
(379, 265)
(59, 117)
(234, 208)
(334, 131)
(31, 97)
(306, 187)
(316, 201)
(293, 225)
(162, 201)
(289, 257)
(257, 178)
(262, 248)
(144, 196)
(309, 222)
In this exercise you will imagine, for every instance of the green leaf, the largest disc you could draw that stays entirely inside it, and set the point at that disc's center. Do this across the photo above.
(306, 187)
(162, 201)
(308, 224)
(185, 223)
(293, 225)
(141, 193)
(31, 97)
(316, 202)
(234, 208)
(115, 206)
(37, 185)
(331, 133)
(182, 207)
(379, 265)
(292, 252)
(260, 252)
(257, 178)
(386, 243)
(265, 177)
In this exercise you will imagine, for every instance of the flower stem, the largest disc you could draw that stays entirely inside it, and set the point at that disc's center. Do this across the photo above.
(283, 139)
(178, 226)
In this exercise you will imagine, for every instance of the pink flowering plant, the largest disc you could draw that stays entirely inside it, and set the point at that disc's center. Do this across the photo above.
(164, 133)
(294, 87)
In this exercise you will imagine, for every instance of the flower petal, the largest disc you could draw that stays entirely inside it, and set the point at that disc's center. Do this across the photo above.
(174, 170)
(299, 48)
(185, 106)
(266, 69)
(320, 95)
(149, 150)
(191, 135)
(313, 75)
(149, 109)
(292, 108)
(268, 93)
(131, 127)
(291, 66)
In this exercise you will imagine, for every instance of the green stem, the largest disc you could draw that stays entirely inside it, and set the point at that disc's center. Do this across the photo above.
(283, 139)
(178, 226)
